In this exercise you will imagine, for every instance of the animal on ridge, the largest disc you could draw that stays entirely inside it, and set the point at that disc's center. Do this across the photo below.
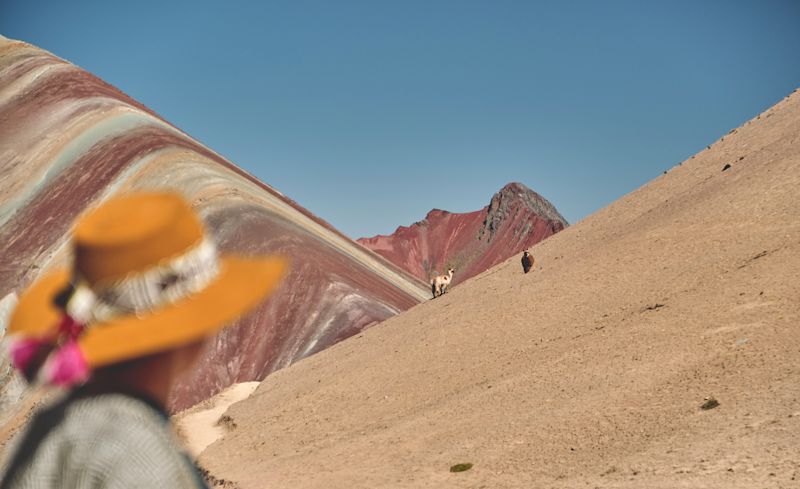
(527, 261)
(440, 283)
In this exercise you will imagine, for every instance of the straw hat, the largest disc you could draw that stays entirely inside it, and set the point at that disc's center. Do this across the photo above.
(145, 279)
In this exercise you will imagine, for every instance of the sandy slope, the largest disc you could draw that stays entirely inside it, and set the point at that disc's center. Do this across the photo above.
(203, 424)
(589, 372)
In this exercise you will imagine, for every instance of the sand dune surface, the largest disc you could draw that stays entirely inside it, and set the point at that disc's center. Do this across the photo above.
(656, 344)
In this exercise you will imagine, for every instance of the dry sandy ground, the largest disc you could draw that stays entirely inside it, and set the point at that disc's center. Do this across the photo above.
(590, 371)
(203, 424)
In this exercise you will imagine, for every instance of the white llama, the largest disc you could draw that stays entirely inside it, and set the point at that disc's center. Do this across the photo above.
(439, 283)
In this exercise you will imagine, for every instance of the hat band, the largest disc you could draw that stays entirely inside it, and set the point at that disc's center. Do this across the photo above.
(141, 293)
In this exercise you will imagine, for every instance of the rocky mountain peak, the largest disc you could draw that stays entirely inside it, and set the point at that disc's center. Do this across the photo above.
(509, 200)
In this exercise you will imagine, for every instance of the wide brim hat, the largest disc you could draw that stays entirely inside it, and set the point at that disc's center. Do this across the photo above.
(146, 278)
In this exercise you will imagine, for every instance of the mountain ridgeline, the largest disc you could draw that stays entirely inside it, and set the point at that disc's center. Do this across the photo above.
(471, 242)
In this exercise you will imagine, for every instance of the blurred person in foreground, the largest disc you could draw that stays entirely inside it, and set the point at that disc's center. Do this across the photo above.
(146, 289)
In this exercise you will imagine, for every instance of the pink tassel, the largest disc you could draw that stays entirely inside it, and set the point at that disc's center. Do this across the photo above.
(28, 354)
(67, 366)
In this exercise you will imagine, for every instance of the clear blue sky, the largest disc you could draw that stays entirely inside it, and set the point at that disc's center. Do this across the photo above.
(370, 113)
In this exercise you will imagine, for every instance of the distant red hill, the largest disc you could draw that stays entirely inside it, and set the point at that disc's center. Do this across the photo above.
(471, 242)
